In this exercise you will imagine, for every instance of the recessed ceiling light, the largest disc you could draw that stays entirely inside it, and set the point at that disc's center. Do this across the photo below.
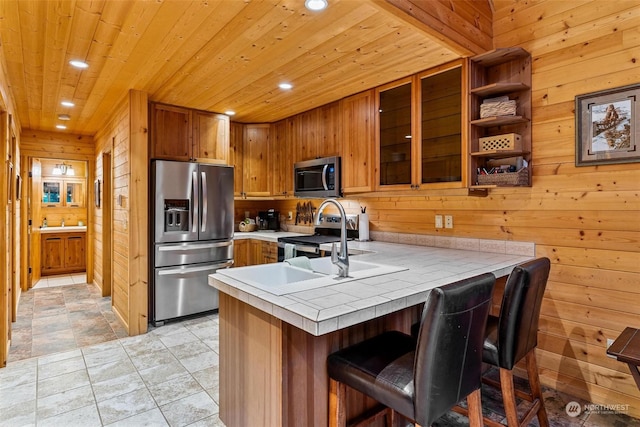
(285, 86)
(315, 5)
(61, 126)
(79, 64)
(64, 117)
(68, 104)
(230, 113)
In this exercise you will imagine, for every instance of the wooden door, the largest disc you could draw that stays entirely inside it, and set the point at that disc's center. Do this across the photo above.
(170, 132)
(257, 166)
(210, 137)
(236, 137)
(255, 252)
(358, 136)
(74, 252)
(52, 253)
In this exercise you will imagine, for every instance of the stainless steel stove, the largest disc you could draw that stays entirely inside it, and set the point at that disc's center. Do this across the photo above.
(327, 232)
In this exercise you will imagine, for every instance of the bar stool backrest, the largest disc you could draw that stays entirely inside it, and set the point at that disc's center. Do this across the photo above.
(520, 311)
(448, 360)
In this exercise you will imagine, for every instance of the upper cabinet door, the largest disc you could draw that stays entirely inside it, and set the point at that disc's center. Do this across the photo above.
(210, 137)
(441, 127)
(74, 193)
(170, 132)
(420, 130)
(395, 133)
(52, 193)
(358, 135)
(257, 166)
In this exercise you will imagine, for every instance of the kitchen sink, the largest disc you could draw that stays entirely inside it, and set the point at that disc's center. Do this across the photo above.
(282, 278)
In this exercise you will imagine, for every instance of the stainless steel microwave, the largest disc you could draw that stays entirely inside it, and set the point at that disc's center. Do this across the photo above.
(317, 178)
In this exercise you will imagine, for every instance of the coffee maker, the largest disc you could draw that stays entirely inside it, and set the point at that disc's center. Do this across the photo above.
(269, 220)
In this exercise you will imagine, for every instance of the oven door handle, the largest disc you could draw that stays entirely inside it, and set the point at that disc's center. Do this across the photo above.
(302, 248)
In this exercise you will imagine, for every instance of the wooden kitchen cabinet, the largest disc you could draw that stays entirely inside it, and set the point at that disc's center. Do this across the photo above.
(358, 118)
(256, 162)
(282, 159)
(63, 253)
(210, 137)
(419, 139)
(183, 134)
(170, 132)
(253, 252)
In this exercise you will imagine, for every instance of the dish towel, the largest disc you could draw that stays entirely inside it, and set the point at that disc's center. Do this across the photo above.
(289, 250)
(300, 262)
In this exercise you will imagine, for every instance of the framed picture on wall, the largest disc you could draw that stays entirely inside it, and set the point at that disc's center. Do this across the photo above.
(96, 192)
(18, 187)
(607, 126)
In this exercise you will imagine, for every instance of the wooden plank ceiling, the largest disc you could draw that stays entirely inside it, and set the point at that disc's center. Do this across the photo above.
(216, 55)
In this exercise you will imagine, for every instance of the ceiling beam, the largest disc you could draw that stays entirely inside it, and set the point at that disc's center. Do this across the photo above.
(464, 26)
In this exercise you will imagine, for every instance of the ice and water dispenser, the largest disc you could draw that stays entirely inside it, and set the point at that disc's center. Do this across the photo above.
(176, 215)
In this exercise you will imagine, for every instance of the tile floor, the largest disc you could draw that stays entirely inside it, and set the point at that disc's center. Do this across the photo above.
(62, 313)
(167, 377)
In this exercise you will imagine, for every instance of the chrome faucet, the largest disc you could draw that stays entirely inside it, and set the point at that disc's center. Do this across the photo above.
(342, 259)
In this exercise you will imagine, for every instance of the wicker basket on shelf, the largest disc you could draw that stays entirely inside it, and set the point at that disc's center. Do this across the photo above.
(507, 178)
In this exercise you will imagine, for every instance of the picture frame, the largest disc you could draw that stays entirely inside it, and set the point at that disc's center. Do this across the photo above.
(18, 187)
(608, 126)
(96, 192)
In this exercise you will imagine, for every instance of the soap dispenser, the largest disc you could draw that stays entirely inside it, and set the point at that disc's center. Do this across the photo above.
(62, 222)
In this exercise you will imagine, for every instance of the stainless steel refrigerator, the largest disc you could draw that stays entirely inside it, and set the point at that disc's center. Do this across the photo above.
(192, 236)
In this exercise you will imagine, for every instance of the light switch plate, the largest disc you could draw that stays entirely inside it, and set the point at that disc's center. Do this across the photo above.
(609, 342)
(439, 221)
(448, 221)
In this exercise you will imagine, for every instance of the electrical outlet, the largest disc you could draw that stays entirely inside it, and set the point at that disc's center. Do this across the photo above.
(609, 342)
(439, 221)
(448, 221)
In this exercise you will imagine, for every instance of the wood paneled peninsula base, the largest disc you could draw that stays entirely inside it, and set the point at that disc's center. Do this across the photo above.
(273, 349)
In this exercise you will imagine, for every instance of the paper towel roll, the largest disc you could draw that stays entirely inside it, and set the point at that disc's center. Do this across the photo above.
(363, 227)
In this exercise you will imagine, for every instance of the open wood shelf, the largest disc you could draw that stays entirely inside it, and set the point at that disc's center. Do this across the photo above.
(499, 121)
(498, 153)
(498, 89)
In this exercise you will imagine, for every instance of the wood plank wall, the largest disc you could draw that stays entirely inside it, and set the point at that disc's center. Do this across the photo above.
(125, 137)
(114, 138)
(586, 219)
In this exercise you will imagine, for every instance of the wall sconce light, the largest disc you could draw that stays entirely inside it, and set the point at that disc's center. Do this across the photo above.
(62, 169)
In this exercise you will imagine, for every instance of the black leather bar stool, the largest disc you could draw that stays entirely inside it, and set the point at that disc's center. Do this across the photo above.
(513, 336)
(421, 380)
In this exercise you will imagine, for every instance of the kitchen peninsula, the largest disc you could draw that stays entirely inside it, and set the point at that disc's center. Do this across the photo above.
(273, 348)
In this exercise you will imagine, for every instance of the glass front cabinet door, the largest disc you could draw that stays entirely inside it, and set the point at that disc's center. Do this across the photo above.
(51, 193)
(74, 193)
(420, 131)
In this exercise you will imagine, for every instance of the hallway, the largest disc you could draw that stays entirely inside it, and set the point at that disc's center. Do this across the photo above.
(62, 313)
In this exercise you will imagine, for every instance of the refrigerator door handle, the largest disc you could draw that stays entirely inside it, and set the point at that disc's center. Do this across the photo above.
(195, 199)
(205, 197)
(187, 270)
(180, 248)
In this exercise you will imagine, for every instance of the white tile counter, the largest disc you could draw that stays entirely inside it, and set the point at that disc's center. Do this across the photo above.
(67, 229)
(327, 309)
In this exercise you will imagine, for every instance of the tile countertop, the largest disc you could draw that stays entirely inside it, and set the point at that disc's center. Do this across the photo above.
(66, 229)
(323, 310)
